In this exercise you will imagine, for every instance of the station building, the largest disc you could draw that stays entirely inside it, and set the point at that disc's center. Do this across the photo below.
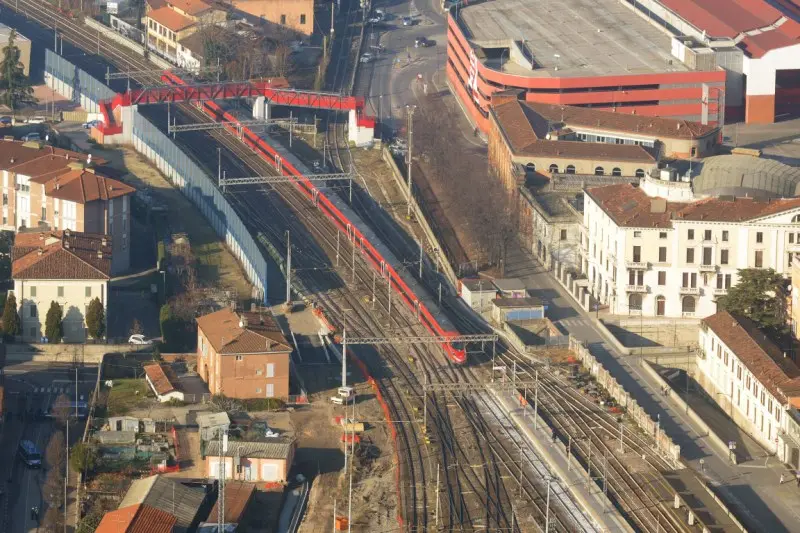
(625, 57)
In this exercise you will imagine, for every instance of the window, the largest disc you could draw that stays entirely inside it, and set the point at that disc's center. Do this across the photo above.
(616, 171)
(553, 169)
(688, 305)
(5, 198)
(61, 292)
(662, 254)
(636, 277)
(637, 254)
(637, 233)
(759, 258)
(791, 238)
(662, 234)
(723, 257)
(694, 151)
(302, 18)
(240, 358)
(599, 171)
(759, 237)
(34, 311)
(639, 173)
(708, 253)
(33, 291)
(259, 371)
(270, 370)
(725, 235)
(44, 213)
(88, 292)
(258, 391)
(689, 280)
(635, 302)
(563, 235)
(690, 234)
(690, 255)
(723, 281)
(707, 235)
(283, 19)
(570, 169)
(270, 390)
(662, 278)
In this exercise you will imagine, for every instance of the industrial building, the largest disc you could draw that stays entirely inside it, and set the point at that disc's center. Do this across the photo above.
(676, 58)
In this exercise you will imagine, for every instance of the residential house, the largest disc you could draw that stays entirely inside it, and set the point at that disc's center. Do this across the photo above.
(251, 461)
(753, 380)
(137, 519)
(243, 354)
(550, 224)
(66, 267)
(647, 253)
(49, 188)
(297, 15)
(191, 52)
(163, 383)
(169, 21)
(186, 504)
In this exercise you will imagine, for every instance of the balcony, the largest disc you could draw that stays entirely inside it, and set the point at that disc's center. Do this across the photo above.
(720, 292)
(795, 247)
(636, 265)
(636, 288)
(690, 290)
(707, 268)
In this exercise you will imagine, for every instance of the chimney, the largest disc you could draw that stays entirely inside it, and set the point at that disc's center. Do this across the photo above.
(99, 254)
(40, 251)
(252, 307)
(89, 159)
(66, 243)
(58, 185)
(104, 242)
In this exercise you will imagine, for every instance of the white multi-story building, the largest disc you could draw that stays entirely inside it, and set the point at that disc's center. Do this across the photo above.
(656, 249)
(752, 380)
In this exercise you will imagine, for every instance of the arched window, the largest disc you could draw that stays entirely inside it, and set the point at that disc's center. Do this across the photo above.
(635, 302)
(553, 169)
(570, 169)
(661, 305)
(616, 171)
(599, 171)
(530, 167)
(687, 305)
(639, 173)
(796, 219)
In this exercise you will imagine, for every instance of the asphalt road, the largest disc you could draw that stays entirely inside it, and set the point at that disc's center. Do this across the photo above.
(29, 388)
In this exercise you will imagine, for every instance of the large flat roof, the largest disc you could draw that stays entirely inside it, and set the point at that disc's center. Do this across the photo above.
(592, 37)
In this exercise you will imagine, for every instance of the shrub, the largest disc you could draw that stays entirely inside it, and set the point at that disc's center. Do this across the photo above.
(96, 319)
(12, 325)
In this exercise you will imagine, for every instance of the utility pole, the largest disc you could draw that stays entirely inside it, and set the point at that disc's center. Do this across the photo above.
(410, 163)
(437, 495)
(420, 259)
(536, 403)
(547, 509)
(66, 477)
(223, 450)
(291, 129)
(288, 270)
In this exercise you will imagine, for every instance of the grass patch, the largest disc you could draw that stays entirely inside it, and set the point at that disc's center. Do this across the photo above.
(126, 395)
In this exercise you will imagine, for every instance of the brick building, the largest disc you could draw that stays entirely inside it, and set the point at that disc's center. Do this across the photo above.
(243, 354)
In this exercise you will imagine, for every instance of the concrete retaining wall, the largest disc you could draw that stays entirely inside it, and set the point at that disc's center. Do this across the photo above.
(64, 353)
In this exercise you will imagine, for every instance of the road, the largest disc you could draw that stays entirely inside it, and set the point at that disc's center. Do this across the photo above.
(29, 388)
(751, 490)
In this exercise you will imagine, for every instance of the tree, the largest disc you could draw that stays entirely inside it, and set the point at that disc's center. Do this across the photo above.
(83, 458)
(136, 327)
(15, 87)
(759, 295)
(53, 520)
(12, 325)
(96, 319)
(166, 320)
(55, 454)
(53, 325)
(61, 410)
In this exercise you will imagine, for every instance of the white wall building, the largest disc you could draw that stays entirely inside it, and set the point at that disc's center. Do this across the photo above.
(657, 256)
(68, 268)
(751, 379)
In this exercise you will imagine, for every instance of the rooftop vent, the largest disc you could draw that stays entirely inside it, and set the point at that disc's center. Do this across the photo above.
(41, 251)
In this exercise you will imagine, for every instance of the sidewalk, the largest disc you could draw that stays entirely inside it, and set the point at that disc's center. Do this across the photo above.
(751, 490)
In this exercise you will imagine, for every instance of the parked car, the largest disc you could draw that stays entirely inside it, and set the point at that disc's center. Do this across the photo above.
(6, 121)
(375, 19)
(91, 124)
(37, 120)
(408, 21)
(422, 42)
(139, 339)
(367, 58)
(33, 136)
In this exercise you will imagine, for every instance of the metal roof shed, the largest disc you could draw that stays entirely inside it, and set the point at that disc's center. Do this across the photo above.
(211, 423)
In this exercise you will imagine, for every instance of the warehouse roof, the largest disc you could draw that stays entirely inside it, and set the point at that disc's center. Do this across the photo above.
(762, 357)
(590, 37)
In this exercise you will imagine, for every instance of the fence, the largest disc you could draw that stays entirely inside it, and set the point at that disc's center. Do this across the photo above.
(576, 182)
(198, 187)
(73, 83)
(663, 443)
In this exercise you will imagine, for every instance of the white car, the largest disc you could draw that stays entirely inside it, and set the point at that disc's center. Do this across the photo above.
(36, 120)
(139, 339)
(31, 137)
(367, 58)
(91, 124)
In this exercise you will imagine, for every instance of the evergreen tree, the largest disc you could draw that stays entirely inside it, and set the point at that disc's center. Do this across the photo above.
(759, 295)
(12, 325)
(53, 325)
(96, 319)
(15, 88)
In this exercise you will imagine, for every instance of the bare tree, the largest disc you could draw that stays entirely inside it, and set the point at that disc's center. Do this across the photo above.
(136, 327)
(53, 521)
(61, 410)
(55, 454)
(282, 60)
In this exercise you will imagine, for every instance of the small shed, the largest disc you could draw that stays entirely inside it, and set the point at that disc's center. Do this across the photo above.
(211, 424)
(163, 382)
(478, 293)
(510, 288)
(123, 423)
(116, 438)
(508, 309)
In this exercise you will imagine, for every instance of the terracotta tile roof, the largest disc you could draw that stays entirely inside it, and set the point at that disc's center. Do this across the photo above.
(67, 255)
(237, 495)
(169, 495)
(170, 18)
(630, 206)
(159, 376)
(136, 519)
(84, 185)
(244, 332)
(190, 7)
(762, 357)
(525, 130)
(34, 160)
